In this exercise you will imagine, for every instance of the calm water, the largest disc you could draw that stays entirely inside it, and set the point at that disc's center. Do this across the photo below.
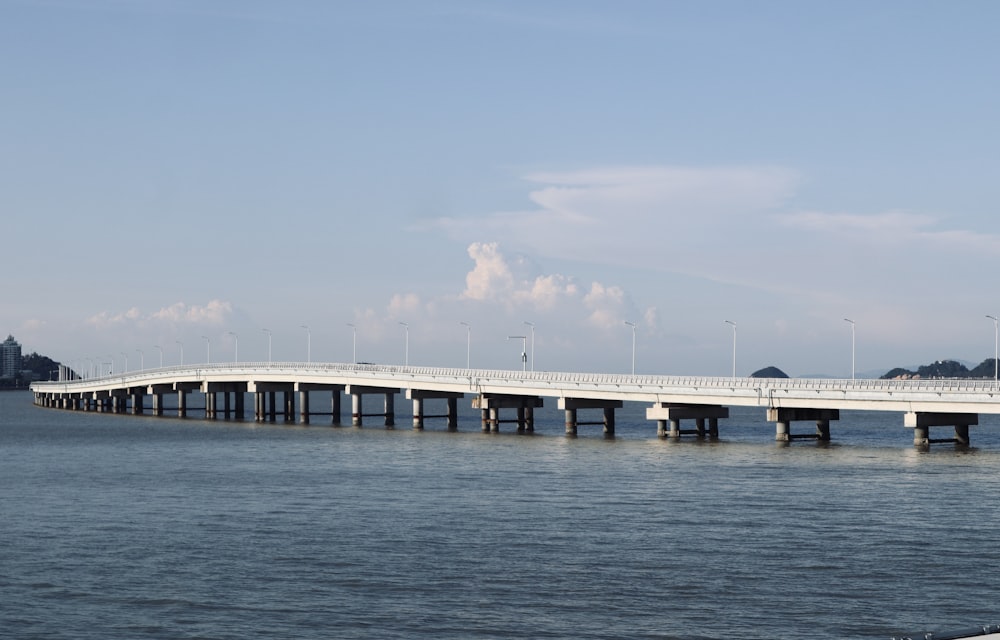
(142, 527)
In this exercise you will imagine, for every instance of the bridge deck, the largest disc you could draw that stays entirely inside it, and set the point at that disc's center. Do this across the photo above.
(945, 395)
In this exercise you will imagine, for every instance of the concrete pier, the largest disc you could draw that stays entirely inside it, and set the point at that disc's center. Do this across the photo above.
(572, 405)
(672, 413)
(490, 405)
(784, 416)
(266, 400)
(921, 422)
(357, 393)
(417, 396)
(305, 409)
(183, 389)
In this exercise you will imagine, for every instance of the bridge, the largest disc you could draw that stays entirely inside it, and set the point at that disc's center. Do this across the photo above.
(671, 399)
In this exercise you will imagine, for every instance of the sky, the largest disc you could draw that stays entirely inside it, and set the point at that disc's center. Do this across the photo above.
(214, 179)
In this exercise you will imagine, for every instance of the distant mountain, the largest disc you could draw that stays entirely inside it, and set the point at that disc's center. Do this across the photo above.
(769, 372)
(944, 369)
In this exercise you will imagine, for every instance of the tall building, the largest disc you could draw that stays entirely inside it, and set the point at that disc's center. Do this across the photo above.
(10, 358)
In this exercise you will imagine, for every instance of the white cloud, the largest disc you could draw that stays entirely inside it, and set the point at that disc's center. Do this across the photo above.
(606, 305)
(215, 312)
(491, 277)
(546, 292)
(403, 304)
(645, 217)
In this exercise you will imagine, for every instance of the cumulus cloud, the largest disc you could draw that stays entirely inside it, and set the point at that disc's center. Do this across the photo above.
(491, 277)
(606, 305)
(215, 312)
(547, 291)
(404, 304)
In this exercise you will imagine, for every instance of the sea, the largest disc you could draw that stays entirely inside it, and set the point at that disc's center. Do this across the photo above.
(121, 526)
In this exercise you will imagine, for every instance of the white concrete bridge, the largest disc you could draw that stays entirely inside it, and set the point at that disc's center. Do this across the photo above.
(671, 399)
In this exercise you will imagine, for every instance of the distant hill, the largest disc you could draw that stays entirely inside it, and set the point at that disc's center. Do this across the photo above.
(769, 372)
(944, 369)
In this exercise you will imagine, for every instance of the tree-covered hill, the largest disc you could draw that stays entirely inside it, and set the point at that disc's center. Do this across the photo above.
(944, 369)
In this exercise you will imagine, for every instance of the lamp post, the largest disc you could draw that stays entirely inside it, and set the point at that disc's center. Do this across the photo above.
(632, 324)
(182, 350)
(268, 332)
(142, 360)
(125, 355)
(734, 345)
(236, 347)
(524, 352)
(308, 343)
(208, 350)
(406, 348)
(532, 325)
(996, 334)
(468, 344)
(156, 346)
(852, 345)
(354, 340)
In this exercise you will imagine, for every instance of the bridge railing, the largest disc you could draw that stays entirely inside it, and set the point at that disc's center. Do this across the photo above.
(530, 378)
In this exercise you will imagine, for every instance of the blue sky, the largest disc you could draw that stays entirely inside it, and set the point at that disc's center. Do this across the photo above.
(174, 173)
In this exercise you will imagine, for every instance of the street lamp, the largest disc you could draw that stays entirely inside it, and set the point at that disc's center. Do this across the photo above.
(208, 350)
(468, 344)
(156, 346)
(354, 331)
(852, 345)
(524, 352)
(734, 345)
(182, 350)
(142, 361)
(236, 347)
(532, 325)
(995, 335)
(632, 324)
(125, 370)
(308, 343)
(268, 332)
(406, 351)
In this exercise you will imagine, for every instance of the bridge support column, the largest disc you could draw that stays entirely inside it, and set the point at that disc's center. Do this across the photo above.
(452, 414)
(784, 416)
(921, 422)
(418, 396)
(118, 401)
(303, 406)
(390, 408)
(357, 406)
(571, 423)
(357, 393)
(182, 394)
(572, 405)
(671, 413)
(491, 404)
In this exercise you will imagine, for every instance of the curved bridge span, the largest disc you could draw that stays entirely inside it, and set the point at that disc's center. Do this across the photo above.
(924, 403)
